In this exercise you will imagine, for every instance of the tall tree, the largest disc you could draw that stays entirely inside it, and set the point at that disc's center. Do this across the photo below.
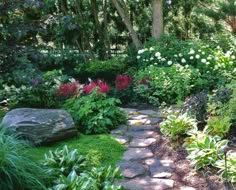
(128, 24)
(157, 18)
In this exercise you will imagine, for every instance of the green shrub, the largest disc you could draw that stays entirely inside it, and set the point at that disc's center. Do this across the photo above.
(228, 173)
(95, 113)
(167, 84)
(176, 126)
(218, 125)
(204, 150)
(97, 69)
(17, 168)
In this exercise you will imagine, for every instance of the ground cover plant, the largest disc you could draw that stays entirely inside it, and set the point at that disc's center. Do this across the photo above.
(17, 168)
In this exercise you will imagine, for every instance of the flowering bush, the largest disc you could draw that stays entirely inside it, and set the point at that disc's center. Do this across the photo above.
(101, 85)
(122, 82)
(167, 84)
(68, 90)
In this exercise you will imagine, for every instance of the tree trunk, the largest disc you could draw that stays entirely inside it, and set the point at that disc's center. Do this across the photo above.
(128, 24)
(157, 18)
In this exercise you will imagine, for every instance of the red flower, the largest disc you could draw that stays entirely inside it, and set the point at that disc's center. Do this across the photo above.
(89, 87)
(102, 87)
(122, 82)
(67, 90)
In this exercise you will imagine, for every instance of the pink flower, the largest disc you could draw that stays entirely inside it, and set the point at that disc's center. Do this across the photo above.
(68, 90)
(122, 82)
(102, 87)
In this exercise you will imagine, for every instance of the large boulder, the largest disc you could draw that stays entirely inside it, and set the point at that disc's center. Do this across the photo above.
(40, 126)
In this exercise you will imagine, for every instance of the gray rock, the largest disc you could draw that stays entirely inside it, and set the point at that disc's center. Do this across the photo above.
(137, 117)
(142, 128)
(160, 168)
(40, 126)
(131, 169)
(147, 112)
(144, 121)
(140, 134)
(139, 143)
(137, 154)
(130, 110)
(120, 131)
(148, 183)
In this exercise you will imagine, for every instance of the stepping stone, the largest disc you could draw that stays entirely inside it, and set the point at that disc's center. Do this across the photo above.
(120, 131)
(145, 121)
(130, 110)
(142, 128)
(140, 134)
(138, 121)
(148, 183)
(137, 117)
(137, 154)
(139, 143)
(121, 139)
(131, 169)
(160, 168)
(147, 112)
(155, 120)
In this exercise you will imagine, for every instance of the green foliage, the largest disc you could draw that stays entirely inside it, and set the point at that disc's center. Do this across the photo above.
(63, 161)
(95, 113)
(204, 150)
(97, 69)
(219, 126)
(73, 171)
(96, 179)
(176, 126)
(17, 169)
(38, 92)
(102, 150)
(228, 173)
(167, 84)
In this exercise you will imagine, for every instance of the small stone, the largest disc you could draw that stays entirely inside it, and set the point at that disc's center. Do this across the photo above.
(147, 112)
(131, 169)
(160, 168)
(121, 139)
(137, 154)
(142, 128)
(148, 183)
(142, 142)
(140, 134)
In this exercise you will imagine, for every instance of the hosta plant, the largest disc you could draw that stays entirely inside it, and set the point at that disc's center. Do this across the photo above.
(204, 150)
(218, 125)
(176, 126)
(97, 179)
(228, 170)
(63, 161)
(95, 113)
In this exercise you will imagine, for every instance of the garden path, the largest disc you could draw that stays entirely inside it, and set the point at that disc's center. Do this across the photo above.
(150, 163)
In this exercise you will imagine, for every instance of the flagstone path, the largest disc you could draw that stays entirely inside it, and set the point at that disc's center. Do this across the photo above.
(149, 162)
